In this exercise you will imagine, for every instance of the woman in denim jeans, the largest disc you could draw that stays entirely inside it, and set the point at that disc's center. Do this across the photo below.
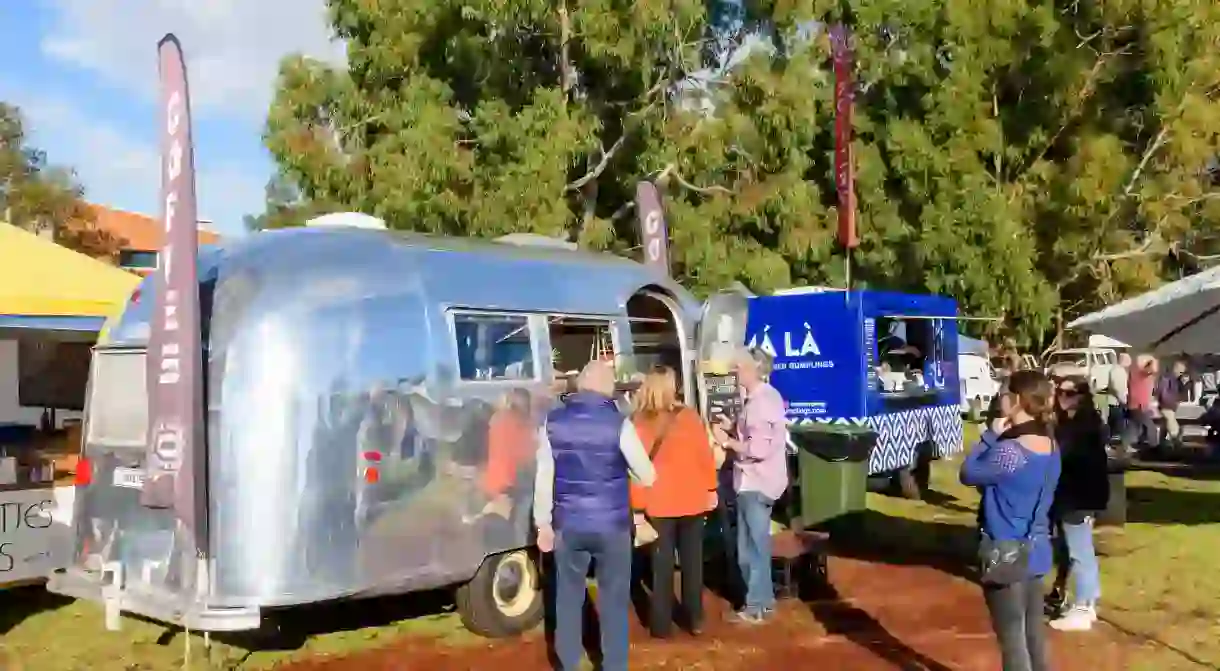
(1083, 491)
(1016, 467)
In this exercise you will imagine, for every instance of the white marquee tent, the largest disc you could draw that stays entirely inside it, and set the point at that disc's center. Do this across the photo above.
(1180, 317)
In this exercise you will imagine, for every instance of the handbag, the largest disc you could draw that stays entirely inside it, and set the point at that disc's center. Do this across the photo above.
(1006, 562)
(645, 533)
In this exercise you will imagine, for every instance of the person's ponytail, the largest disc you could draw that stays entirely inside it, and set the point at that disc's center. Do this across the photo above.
(1035, 394)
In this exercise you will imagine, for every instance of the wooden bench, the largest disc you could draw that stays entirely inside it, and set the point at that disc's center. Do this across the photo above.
(798, 560)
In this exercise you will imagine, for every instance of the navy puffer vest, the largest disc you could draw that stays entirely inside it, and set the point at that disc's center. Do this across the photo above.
(592, 491)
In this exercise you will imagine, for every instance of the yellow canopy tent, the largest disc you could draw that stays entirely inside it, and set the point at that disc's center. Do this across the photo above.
(39, 278)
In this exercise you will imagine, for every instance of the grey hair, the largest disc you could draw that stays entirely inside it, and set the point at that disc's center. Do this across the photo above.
(755, 357)
(596, 376)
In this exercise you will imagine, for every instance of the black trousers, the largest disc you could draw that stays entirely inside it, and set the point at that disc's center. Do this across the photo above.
(1016, 616)
(685, 536)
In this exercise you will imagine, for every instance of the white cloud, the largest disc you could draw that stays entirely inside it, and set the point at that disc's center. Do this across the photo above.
(122, 172)
(233, 47)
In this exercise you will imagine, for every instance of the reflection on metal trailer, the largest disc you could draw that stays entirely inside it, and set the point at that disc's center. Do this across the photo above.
(373, 399)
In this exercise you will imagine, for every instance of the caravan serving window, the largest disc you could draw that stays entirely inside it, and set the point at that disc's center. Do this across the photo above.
(494, 347)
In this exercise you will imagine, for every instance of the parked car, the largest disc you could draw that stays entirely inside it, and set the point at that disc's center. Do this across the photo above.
(1093, 363)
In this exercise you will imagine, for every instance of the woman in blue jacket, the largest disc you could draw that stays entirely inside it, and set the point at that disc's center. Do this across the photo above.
(1016, 467)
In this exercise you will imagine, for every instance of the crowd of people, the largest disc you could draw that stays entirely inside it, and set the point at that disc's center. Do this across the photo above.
(1042, 467)
(1143, 401)
(608, 481)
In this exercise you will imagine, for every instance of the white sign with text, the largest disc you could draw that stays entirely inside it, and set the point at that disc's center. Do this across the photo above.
(35, 532)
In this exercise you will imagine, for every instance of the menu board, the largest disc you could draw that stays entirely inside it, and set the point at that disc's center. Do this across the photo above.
(723, 398)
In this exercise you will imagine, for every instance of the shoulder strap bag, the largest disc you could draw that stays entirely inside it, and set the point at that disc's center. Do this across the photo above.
(1006, 562)
(645, 533)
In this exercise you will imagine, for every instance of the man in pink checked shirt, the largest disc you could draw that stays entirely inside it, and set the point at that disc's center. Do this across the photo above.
(758, 444)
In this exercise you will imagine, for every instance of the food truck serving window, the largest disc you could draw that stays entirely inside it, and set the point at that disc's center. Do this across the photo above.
(494, 346)
(910, 355)
(118, 399)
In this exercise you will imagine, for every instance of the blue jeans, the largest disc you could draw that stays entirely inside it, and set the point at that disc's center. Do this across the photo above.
(754, 549)
(1086, 574)
(573, 552)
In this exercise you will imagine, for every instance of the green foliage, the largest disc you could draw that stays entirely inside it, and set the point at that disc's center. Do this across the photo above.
(1029, 157)
(36, 195)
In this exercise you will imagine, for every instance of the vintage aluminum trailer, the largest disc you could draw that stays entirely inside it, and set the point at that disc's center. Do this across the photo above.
(372, 398)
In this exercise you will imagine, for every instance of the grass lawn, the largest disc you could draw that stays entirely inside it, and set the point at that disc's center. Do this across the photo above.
(1159, 571)
(1159, 576)
(41, 632)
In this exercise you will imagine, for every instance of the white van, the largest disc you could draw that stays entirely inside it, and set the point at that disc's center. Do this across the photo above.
(978, 382)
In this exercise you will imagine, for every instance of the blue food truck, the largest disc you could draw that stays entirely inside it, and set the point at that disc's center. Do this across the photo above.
(879, 359)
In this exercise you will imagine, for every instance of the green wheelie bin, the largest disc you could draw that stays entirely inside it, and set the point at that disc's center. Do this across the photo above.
(831, 478)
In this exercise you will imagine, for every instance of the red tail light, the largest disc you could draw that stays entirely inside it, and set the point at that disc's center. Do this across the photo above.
(84, 473)
(371, 474)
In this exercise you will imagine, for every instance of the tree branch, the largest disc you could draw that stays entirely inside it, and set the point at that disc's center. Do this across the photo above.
(566, 80)
(1086, 92)
(1159, 141)
(671, 171)
(600, 167)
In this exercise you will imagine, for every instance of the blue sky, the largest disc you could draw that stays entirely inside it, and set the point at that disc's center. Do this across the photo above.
(84, 74)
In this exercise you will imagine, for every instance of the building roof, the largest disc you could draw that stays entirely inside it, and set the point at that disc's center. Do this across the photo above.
(142, 233)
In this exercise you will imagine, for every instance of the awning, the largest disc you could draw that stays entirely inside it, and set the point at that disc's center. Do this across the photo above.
(39, 278)
(1180, 317)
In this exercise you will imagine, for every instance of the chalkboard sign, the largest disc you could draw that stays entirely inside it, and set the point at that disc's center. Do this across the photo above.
(723, 398)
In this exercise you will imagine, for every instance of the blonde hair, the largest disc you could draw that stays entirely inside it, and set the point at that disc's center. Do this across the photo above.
(598, 377)
(517, 400)
(658, 393)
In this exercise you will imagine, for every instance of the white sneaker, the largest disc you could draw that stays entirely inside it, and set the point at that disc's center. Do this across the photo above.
(1077, 618)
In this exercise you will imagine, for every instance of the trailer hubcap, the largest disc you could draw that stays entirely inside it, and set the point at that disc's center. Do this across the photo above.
(515, 585)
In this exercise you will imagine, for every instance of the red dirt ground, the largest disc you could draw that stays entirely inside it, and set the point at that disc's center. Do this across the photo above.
(887, 617)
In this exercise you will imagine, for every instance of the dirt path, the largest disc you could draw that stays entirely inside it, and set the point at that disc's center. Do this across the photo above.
(887, 617)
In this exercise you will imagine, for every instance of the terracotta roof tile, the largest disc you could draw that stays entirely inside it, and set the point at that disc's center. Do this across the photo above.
(142, 233)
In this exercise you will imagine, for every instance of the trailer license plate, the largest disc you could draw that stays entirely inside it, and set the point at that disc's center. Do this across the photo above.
(132, 478)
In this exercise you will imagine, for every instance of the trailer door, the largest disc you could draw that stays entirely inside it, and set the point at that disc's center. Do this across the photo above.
(721, 328)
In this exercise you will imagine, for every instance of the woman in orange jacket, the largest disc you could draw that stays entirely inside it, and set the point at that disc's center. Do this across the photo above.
(675, 505)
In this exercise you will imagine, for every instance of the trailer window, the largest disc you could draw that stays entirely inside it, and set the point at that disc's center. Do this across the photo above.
(494, 347)
(118, 398)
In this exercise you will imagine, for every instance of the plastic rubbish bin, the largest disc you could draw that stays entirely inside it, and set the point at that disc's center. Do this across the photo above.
(832, 473)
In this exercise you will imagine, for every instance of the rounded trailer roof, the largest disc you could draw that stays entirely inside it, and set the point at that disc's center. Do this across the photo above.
(333, 264)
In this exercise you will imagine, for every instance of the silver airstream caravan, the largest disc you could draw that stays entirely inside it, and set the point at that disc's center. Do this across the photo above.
(372, 400)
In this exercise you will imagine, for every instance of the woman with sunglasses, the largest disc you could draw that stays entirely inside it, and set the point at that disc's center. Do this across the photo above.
(1083, 492)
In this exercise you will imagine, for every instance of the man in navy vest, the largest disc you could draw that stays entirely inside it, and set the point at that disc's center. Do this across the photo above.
(587, 451)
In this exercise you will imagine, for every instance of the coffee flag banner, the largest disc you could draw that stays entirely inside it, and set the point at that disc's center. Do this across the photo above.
(654, 235)
(176, 451)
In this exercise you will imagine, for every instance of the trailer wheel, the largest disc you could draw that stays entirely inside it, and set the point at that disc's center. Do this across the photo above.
(504, 598)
